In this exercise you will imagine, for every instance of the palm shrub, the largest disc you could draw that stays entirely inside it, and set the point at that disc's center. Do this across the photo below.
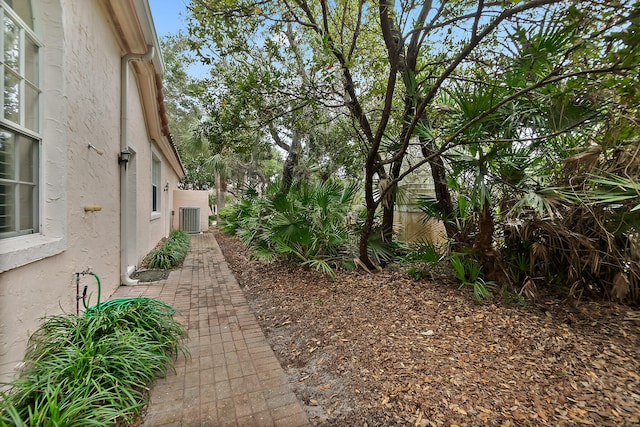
(421, 257)
(468, 272)
(94, 369)
(307, 224)
(238, 216)
(586, 239)
(380, 248)
(552, 178)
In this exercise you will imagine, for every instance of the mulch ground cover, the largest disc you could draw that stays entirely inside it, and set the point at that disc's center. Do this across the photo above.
(384, 349)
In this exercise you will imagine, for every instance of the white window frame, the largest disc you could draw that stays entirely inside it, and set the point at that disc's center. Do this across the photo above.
(24, 128)
(51, 238)
(156, 189)
(21, 186)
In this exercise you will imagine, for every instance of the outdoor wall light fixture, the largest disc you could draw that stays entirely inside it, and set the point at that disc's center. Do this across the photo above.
(166, 186)
(125, 156)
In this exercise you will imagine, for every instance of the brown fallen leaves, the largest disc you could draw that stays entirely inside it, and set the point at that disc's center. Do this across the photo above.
(382, 349)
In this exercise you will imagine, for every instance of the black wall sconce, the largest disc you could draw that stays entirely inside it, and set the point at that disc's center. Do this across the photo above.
(124, 157)
(166, 187)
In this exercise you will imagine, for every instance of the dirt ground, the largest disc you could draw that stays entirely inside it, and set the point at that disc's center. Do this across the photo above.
(384, 349)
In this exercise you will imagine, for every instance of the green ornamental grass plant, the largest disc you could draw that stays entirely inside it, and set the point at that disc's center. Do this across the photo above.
(93, 369)
(172, 252)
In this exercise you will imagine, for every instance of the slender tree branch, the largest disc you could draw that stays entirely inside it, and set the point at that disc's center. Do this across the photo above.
(276, 138)
(551, 78)
(474, 30)
(356, 31)
(473, 43)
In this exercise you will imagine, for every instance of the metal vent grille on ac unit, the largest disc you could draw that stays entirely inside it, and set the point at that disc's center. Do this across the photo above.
(190, 219)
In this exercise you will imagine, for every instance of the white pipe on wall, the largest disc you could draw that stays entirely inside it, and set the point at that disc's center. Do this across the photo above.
(125, 269)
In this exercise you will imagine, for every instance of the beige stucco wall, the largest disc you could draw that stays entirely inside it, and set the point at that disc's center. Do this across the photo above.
(409, 221)
(150, 223)
(191, 198)
(412, 228)
(81, 106)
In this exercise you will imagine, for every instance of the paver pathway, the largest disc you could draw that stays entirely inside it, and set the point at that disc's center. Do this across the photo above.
(231, 377)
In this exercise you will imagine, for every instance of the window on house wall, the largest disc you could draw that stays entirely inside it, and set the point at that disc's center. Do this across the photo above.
(155, 184)
(19, 122)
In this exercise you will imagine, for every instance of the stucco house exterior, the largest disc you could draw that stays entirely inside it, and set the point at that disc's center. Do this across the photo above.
(82, 92)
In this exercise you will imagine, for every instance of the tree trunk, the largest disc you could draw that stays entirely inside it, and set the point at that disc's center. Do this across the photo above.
(370, 170)
(483, 246)
(388, 207)
(363, 245)
(387, 220)
(484, 239)
(221, 190)
(290, 164)
(443, 196)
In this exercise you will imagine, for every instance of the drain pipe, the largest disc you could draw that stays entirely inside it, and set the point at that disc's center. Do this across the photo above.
(125, 228)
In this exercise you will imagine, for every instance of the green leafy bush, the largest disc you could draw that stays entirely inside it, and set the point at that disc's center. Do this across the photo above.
(94, 369)
(172, 252)
(242, 215)
(424, 251)
(468, 272)
(421, 258)
(307, 224)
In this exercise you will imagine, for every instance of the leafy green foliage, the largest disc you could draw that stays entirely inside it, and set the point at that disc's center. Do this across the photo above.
(519, 105)
(422, 257)
(468, 272)
(424, 251)
(240, 217)
(307, 224)
(172, 252)
(613, 189)
(550, 177)
(94, 369)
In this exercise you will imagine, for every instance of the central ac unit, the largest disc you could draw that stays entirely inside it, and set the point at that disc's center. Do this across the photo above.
(190, 219)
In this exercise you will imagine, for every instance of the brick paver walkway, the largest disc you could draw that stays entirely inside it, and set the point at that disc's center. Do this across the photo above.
(231, 377)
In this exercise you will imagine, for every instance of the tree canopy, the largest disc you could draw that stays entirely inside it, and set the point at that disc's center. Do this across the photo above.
(524, 110)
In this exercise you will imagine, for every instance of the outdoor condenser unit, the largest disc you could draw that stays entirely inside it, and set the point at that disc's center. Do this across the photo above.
(190, 219)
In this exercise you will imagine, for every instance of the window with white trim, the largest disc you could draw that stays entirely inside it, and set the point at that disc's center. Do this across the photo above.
(19, 122)
(155, 184)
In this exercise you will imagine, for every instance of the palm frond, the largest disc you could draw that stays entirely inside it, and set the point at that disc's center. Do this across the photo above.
(612, 189)
(321, 265)
(543, 202)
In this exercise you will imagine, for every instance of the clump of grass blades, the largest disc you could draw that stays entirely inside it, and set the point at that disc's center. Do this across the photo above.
(172, 252)
(93, 369)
